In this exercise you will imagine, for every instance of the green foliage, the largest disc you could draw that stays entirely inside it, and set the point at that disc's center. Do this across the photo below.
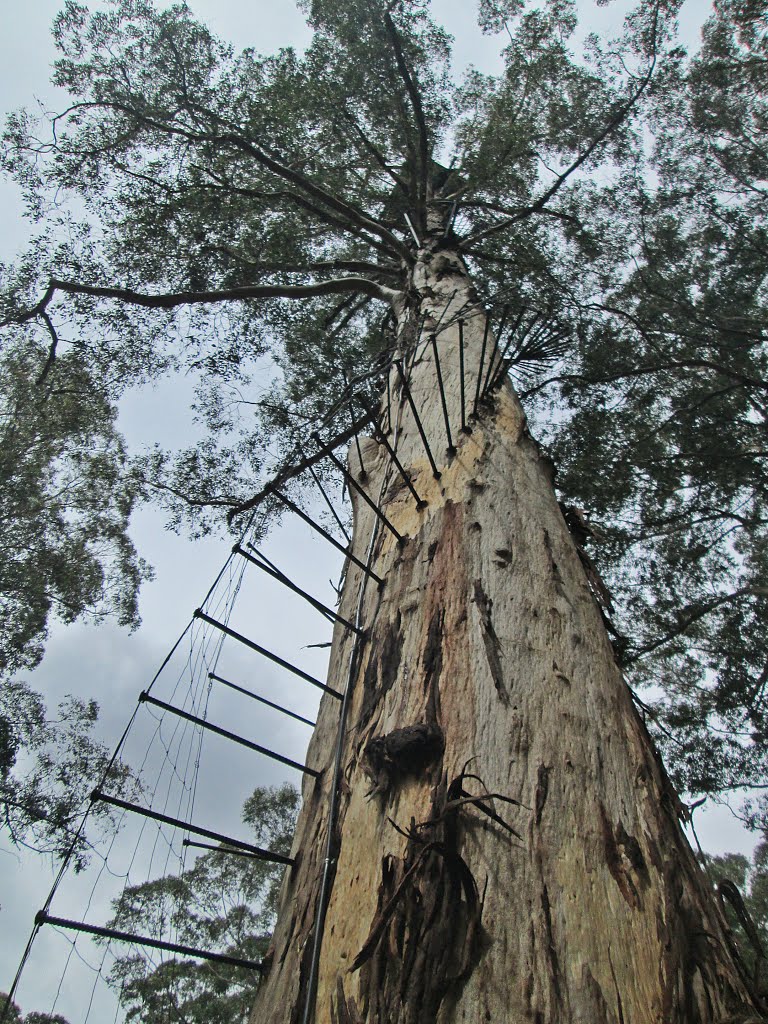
(222, 903)
(48, 766)
(66, 497)
(13, 1015)
(65, 502)
(208, 169)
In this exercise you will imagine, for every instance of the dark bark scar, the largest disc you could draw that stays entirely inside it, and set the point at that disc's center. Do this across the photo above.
(542, 790)
(502, 557)
(556, 575)
(403, 752)
(383, 666)
(625, 861)
(551, 949)
(491, 641)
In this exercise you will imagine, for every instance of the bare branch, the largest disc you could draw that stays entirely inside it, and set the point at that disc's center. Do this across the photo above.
(316, 266)
(51, 358)
(418, 111)
(347, 210)
(513, 212)
(640, 371)
(169, 300)
(300, 200)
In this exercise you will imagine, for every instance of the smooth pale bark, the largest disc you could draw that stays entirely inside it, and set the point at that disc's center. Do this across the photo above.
(486, 634)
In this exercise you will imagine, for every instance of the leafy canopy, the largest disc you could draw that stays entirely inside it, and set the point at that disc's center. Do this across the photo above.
(13, 1015)
(48, 766)
(66, 497)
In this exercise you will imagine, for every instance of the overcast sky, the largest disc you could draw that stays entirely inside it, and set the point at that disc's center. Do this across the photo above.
(114, 666)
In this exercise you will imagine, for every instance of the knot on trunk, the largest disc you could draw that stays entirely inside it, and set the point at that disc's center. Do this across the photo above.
(402, 752)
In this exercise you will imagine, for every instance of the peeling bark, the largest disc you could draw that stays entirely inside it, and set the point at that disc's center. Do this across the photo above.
(487, 677)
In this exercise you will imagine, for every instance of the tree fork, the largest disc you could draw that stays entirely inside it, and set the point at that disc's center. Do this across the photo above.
(488, 635)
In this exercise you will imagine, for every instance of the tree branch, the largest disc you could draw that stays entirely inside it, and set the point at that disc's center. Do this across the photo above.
(324, 215)
(480, 204)
(418, 111)
(232, 138)
(347, 210)
(692, 617)
(555, 187)
(51, 357)
(169, 300)
(373, 150)
(318, 266)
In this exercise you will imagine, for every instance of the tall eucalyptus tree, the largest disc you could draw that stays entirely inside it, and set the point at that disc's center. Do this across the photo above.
(492, 835)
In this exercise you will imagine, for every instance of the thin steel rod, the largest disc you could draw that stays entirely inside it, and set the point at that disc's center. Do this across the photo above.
(291, 472)
(412, 230)
(449, 222)
(389, 402)
(217, 849)
(275, 573)
(331, 852)
(414, 410)
(363, 474)
(496, 347)
(420, 503)
(261, 700)
(532, 336)
(480, 367)
(436, 329)
(329, 503)
(410, 357)
(260, 560)
(146, 698)
(206, 833)
(366, 497)
(491, 380)
(441, 388)
(464, 428)
(328, 536)
(200, 614)
(144, 940)
(526, 331)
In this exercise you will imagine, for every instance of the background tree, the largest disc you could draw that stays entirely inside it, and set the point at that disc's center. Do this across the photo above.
(222, 903)
(15, 1016)
(666, 389)
(48, 767)
(66, 497)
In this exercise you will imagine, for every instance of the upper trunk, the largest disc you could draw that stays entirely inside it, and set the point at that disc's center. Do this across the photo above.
(486, 637)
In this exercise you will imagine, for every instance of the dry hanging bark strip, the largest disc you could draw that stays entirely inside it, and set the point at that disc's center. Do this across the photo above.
(726, 890)
(426, 935)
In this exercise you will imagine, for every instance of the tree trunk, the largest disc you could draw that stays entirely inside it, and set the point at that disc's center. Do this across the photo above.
(486, 669)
